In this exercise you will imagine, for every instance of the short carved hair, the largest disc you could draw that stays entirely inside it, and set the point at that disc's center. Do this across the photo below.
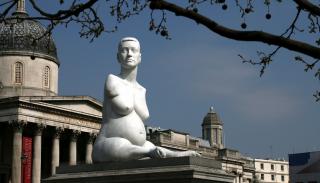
(128, 39)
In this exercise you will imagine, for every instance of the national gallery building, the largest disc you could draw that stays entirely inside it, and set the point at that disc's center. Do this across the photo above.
(40, 130)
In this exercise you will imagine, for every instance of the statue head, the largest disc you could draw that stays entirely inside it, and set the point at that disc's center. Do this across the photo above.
(129, 55)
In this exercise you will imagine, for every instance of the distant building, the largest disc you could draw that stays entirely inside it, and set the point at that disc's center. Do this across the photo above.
(305, 167)
(268, 170)
(210, 146)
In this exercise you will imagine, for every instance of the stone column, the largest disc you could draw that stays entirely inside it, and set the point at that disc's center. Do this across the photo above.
(16, 151)
(187, 138)
(73, 147)
(55, 150)
(89, 148)
(36, 164)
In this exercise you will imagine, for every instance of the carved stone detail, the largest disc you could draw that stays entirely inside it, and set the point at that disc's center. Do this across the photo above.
(18, 34)
(91, 138)
(58, 132)
(74, 135)
(39, 129)
(18, 125)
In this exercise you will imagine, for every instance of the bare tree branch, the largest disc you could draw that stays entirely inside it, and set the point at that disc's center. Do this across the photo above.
(292, 27)
(85, 14)
(64, 14)
(6, 11)
(305, 4)
(258, 36)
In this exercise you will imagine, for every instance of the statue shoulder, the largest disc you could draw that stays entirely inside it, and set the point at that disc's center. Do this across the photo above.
(141, 88)
(112, 78)
(112, 81)
(113, 85)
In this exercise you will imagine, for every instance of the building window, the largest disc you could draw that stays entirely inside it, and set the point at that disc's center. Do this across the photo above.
(261, 166)
(18, 73)
(262, 176)
(282, 178)
(47, 77)
(272, 166)
(216, 136)
(282, 168)
(272, 177)
(208, 134)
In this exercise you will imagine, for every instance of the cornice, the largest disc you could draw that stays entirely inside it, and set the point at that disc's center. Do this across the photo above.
(29, 54)
(16, 86)
(16, 102)
(233, 160)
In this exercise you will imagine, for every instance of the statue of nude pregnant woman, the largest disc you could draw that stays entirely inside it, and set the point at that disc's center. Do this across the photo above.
(122, 135)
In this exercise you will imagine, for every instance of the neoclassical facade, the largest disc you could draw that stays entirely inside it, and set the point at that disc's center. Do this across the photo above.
(210, 146)
(39, 130)
(40, 133)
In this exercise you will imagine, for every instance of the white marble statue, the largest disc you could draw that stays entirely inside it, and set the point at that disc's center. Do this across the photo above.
(122, 135)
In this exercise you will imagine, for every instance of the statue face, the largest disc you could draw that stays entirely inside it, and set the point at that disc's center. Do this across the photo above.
(129, 55)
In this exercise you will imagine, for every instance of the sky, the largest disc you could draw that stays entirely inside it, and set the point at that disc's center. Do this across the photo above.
(263, 117)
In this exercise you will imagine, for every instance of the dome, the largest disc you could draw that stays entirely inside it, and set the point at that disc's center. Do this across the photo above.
(211, 118)
(19, 36)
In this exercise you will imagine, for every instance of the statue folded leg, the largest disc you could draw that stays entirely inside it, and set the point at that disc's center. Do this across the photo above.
(117, 149)
(121, 149)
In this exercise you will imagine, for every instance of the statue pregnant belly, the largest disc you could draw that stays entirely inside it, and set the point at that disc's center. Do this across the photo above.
(130, 127)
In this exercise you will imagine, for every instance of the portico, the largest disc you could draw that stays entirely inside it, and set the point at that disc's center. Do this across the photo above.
(41, 133)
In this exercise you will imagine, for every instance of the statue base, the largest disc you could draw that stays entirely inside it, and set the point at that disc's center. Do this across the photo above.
(178, 170)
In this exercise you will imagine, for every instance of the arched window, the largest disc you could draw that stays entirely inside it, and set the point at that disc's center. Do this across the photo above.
(18, 73)
(47, 77)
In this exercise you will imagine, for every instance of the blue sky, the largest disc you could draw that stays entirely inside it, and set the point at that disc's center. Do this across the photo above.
(270, 116)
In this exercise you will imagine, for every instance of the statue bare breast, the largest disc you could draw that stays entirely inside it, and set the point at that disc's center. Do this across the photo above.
(126, 110)
(122, 135)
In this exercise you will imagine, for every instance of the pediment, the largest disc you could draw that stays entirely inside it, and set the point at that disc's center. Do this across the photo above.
(82, 104)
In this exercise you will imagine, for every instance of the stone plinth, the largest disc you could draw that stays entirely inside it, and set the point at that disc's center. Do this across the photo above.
(177, 170)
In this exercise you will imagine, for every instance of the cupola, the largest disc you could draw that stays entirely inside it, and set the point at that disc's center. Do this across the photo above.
(28, 57)
(212, 129)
